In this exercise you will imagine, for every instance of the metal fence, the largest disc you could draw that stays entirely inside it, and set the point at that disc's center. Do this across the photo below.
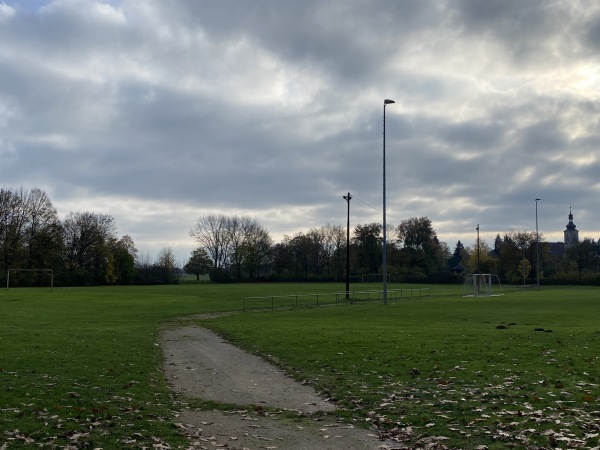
(333, 298)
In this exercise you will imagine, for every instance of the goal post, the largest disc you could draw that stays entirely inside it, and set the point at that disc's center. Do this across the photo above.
(482, 285)
(49, 271)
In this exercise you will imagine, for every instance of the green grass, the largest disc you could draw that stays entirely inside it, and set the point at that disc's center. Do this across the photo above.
(469, 370)
(82, 366)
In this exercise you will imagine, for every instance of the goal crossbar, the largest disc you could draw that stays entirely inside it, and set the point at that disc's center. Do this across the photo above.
(50, 271)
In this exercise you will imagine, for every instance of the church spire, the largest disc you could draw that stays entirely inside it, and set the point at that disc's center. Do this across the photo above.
(571, 233)
(571, 225)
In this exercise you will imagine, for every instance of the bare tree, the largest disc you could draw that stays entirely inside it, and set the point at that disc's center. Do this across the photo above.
(29, 228)
(87, 236)
(235, 244)
(367, 241)
(336, 243)
(165, 262)
(256, 251)
(13, 220)
(239, 233)
(144, 260)
(43, 239)
(212, 233)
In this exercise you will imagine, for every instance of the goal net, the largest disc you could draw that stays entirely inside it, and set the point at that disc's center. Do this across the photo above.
(482, 285)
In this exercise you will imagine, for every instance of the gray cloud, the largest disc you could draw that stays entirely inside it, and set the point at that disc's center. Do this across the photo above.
(159, 111)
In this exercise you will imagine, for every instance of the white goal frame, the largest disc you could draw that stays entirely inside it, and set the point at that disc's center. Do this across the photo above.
(482, 285)
(51, 271)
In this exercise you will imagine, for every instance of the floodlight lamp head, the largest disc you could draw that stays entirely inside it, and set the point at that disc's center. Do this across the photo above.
(537, 199)
(387, 101)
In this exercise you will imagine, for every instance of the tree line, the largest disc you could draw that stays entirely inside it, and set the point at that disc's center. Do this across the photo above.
(85, 249)
(233, 248)
(520, 257)
(82, 249)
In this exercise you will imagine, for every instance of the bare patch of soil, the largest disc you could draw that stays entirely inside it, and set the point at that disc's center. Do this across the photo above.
(200, 364)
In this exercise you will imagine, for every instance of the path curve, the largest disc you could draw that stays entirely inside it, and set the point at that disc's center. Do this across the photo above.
(201, 364)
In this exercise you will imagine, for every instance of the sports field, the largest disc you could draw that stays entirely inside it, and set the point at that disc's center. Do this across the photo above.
(81, 367)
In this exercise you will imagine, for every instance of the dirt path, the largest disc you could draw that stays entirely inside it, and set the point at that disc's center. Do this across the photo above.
(200, 364)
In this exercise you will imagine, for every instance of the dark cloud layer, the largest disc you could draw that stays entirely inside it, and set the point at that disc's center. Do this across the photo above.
(159, 111)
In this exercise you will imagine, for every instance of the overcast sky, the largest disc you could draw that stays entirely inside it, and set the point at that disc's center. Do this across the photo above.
(160, 111)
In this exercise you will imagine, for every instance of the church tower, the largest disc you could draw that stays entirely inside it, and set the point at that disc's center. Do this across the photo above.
(571, 233)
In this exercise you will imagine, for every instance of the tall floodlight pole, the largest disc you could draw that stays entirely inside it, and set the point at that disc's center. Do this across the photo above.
(537, 245)
(348, 198)
(477, 247)
(385, 103)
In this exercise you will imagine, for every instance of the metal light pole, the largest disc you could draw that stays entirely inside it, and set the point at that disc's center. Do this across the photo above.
(537, 245)
(348, 198)
(477, 248)
(385, 103)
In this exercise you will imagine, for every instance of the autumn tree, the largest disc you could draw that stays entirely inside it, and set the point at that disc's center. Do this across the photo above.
(524, 269)
(514, 247)
(481, 259)
(422, 251)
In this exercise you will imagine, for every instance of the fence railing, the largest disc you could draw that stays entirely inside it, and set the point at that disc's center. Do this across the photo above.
(333, 298)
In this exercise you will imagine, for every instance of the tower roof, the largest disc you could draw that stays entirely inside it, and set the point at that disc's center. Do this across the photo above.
(571, 225)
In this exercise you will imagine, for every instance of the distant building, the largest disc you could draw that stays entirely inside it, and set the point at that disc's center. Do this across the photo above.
(556, 248)
(571, 239)
(571, 233)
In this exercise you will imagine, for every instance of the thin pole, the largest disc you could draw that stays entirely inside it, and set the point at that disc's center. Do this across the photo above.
(477, 248)
(384, 220)
(385, 102)
(537, 245)
(348, 198)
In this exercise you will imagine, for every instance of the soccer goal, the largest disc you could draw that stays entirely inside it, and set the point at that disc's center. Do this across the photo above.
(374, 278)
(15, 271)
(482, 285)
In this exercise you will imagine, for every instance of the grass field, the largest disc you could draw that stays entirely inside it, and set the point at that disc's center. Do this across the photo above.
(81, 367)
